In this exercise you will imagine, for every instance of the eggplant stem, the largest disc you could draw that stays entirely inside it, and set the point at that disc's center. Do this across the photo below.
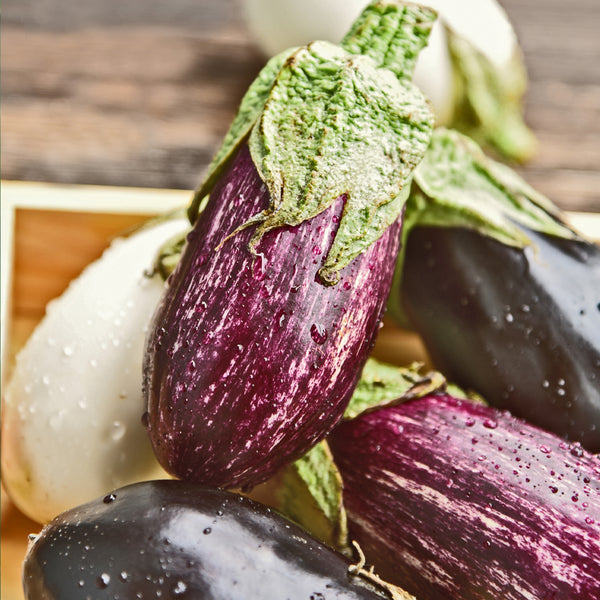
(358, 570)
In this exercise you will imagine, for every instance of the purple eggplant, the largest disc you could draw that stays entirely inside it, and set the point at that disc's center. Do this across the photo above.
(504, 294)
(274, 306)
(261, 358)
(453, 499)
(173, 539)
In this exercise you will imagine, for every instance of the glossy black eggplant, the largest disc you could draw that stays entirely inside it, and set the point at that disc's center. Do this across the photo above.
(172, 539)
(503, 291)
(274, 306)
(453, 499)
(521, 326)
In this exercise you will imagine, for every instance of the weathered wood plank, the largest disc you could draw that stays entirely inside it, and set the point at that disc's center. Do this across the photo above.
(140, 93)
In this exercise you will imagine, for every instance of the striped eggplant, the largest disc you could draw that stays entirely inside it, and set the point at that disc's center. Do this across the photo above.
(454, 499)
(260, 338)
(504, 294)
(174, 539)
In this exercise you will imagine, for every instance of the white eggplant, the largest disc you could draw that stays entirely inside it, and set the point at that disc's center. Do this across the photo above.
(71, 414)
(276, 26)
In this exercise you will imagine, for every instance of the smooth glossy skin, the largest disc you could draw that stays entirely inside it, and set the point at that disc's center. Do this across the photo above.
(251, 360)
(521, 327)
(171, 539)
(452, 499)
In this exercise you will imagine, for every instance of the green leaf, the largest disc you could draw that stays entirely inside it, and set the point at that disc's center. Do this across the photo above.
(356, 131)
(311, 495)
(383, 384)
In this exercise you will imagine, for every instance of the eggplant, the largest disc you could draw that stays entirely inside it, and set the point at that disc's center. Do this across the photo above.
(174, 539)
(273, 308)
(503, 292)
(520, 326)
(267, 357)
(71, 409)
(451, 498)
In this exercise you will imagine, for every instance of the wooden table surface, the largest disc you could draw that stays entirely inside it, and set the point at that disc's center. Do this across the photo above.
(140, 93)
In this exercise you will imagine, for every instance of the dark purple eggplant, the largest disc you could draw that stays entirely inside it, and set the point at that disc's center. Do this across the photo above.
(274, 306)
(519, 326)
(173, 539)
(453, 499)
(503, 292)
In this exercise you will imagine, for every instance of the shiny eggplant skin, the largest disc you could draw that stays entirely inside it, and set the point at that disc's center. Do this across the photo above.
(173, 539)
(453, 499)
(520, 327)
(252, 359)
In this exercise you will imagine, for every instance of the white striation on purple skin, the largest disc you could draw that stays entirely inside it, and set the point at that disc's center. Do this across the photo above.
(452, 499)
(252, 360)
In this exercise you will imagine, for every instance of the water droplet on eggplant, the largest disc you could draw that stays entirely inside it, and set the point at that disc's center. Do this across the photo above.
(118, 431)
(102, 581)
(180, 588)
(318, 333)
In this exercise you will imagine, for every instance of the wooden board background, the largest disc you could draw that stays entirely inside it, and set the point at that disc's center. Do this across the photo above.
(139, 94)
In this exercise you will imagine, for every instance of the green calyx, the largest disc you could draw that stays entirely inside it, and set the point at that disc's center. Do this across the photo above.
(357, 131)
(461, 186)
(392, 34)
(311, 490)
(457, 185)
(383, 385)
(248, 112)
(169, 254)
(325, 121)
(488, 100)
